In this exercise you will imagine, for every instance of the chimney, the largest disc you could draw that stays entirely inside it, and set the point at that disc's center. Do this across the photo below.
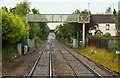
(114, 12)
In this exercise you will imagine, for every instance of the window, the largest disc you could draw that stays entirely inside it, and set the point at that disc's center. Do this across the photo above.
(107, 27)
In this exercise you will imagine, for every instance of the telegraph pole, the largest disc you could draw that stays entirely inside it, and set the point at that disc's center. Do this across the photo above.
(88, 7)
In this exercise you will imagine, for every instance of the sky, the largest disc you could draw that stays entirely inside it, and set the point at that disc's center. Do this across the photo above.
(65, 6)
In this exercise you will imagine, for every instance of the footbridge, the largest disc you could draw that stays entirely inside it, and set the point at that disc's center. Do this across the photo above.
(80, 18)
(60, 18)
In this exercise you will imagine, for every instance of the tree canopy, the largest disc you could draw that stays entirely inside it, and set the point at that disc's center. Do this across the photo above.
(13, 30)
(35, 11)
(69, 30)
(21, 9)
(15, 27)
(65, 31)
(108, 10)
(38, 30)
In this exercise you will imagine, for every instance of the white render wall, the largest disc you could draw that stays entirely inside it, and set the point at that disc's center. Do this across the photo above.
(92, 31)
(112, 31)
(102, 27)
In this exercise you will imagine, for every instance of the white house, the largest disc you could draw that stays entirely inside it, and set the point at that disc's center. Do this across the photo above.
(103, 23)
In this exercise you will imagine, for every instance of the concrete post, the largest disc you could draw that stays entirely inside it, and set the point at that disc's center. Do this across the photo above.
(25, 49)
(118, 57)
(74, 43)
(77, 38)
(28, 40)
(83, 36)
(19, 49)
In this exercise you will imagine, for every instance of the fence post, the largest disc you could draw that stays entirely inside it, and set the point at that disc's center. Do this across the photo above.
(25, 49)
(75, 43)
(118, 56)
(19, 48)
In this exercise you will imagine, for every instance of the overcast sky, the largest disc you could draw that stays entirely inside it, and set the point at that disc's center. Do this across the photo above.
(65, 6)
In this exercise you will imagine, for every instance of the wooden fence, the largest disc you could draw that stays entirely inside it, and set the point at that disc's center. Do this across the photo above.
(107, 43)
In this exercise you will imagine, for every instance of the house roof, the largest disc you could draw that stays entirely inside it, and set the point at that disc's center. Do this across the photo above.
(103, 18)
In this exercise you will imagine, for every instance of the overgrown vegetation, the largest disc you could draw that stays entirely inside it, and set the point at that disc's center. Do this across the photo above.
(38, 31)
(9, 53)
(107, 58)
(102, 56)
(16, 29)
(65, 31)
(117, 45)
(99, 35)
(13, 30)
(68, 31)
(107, 36)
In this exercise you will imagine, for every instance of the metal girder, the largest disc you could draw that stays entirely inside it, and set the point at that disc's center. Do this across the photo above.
(84, 18)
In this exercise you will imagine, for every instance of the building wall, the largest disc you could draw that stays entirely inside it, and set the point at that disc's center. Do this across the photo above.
(92, 31)
(102, 27)
(112, 31)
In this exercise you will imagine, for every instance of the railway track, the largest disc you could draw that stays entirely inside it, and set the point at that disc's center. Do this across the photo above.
(47, 61)
(96, 74)
(50, 60)
(35, 65)
(89, 68)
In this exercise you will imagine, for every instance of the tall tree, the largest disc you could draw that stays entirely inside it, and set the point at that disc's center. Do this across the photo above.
(108, 10)
(35, 11)
(69, 30)
(14, 28)
(85, 11)
(76, 12)
(21, 9)
(38, 30)
(5, 9)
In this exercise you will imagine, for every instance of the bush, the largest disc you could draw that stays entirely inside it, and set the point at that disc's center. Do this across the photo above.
(14, 28)
(99, 35)
(9, 54)
(117, 45)
(107, 35)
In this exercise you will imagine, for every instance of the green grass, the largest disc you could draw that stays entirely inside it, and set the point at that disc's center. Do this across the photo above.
(102, 56)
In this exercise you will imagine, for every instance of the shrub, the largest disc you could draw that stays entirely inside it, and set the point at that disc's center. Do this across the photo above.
(14, 28)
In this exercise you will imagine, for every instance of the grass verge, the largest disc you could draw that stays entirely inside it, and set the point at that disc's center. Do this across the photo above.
(102, 56)
(8, 54)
